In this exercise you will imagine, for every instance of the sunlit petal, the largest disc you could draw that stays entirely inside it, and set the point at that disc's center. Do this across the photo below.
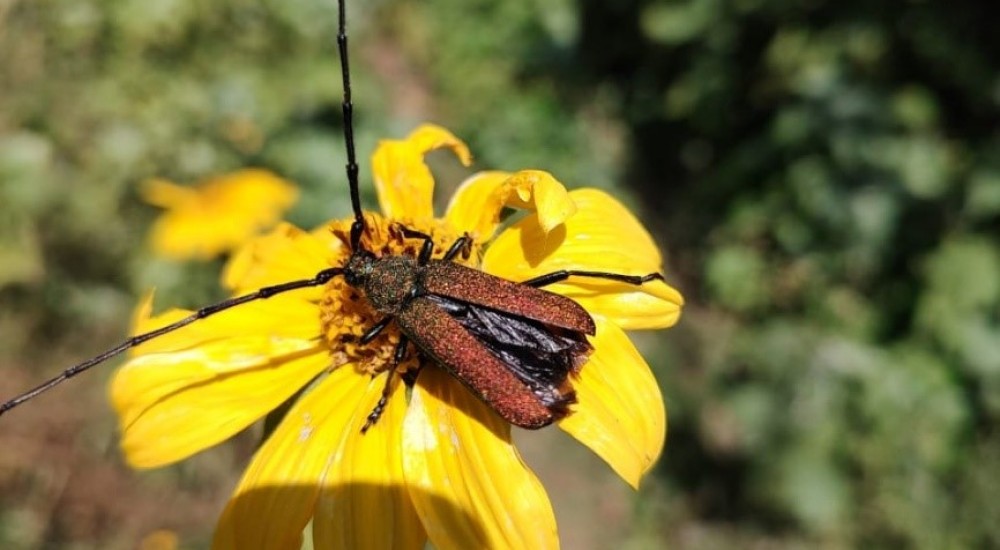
(402, 179)
(619, 412)
(285, 254)
(476, 205)
(285, 315)
(466, 480)
(602, 236)
(172, 405)
(363, 502)
(276, 498)
(192, 388)
(478, 202)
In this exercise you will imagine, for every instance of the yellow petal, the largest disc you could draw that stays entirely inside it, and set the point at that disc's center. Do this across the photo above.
(192, 388)
(285, 254)
(160, 539)
(278, 494)
(166, 194)
(478, 202)
(218, 214)
(143, 312)
(602, 236)
(466, 479)
(172, 405)
(363, 502)
(285, 315)
(619, 412)
(275, 499)
(402, 180)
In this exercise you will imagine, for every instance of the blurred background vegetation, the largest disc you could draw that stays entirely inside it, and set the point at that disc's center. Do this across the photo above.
(824, 178)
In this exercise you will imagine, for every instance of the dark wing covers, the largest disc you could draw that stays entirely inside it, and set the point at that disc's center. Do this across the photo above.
(513, 345)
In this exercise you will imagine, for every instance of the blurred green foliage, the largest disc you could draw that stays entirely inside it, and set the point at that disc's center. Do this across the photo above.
(824, 177)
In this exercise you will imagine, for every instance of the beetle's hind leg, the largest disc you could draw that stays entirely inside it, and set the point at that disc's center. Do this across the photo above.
(397, 358)
(462, 245)
(563, 274)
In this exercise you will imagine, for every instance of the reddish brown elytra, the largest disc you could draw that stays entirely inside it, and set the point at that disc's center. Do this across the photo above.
(512, 344)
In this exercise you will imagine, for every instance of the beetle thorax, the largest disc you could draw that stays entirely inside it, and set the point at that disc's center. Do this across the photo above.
(377, 279)
(387, 282)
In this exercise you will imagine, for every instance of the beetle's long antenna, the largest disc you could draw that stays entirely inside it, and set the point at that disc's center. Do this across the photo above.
(358, 227)
(321, 278)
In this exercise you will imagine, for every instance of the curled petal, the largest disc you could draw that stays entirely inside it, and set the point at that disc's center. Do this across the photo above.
(285, 254)
(476, 205)
(478, 202)
(619, 412)
(363, 502)
(602, 236)
(466, 479)
(276, 498)
(402, 180)
(192, 388)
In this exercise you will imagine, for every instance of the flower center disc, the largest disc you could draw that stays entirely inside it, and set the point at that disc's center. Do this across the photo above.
(345, 313)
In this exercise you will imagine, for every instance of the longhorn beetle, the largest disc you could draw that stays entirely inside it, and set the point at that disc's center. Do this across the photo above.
(512, 344)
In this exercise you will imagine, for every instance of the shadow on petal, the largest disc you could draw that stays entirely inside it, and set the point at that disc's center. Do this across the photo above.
(537, 246)
(472, 407)
(447, 452)
(330, 529)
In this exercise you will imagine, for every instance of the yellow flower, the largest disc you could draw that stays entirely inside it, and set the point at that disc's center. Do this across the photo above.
(160, 539)
(439, 464)
(218, 214)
